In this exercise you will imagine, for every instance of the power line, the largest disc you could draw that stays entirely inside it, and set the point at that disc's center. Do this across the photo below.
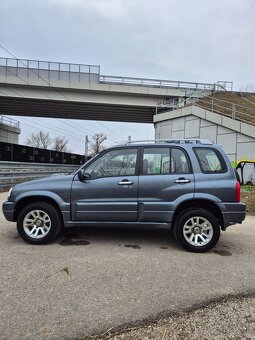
(71, 137)
(48, 83)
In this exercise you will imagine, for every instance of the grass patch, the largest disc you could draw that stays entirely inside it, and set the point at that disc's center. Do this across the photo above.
(248, 197)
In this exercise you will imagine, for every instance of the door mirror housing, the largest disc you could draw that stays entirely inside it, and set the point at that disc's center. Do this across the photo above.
(83, 175)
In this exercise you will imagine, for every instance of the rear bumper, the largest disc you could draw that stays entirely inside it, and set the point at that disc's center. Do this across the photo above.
(8, 211)
(232, 213)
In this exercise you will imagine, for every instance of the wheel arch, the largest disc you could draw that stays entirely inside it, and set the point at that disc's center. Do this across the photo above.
(32, 199)
(202, 204)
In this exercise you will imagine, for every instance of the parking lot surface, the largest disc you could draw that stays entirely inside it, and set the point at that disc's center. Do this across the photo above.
(89, 281)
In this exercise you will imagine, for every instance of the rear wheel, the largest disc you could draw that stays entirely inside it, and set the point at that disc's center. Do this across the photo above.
(197, 230)
(39, 223)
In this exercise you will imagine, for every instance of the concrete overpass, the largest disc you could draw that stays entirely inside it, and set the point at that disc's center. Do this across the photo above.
(78, 91)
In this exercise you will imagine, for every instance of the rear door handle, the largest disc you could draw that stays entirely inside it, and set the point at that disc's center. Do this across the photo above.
(125, 182)
(182, 180)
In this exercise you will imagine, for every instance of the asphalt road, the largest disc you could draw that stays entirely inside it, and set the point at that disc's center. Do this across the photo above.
(92, 280)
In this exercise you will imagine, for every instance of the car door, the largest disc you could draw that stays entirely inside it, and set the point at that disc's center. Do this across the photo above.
(109, 191)
(165, 180)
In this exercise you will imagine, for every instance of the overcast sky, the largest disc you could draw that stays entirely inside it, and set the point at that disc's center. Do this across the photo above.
(191, 40)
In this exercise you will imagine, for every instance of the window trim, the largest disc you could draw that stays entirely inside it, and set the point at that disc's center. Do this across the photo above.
(102, 153)
(220, 158)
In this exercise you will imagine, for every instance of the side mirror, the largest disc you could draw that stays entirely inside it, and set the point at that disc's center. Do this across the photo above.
(83, 176)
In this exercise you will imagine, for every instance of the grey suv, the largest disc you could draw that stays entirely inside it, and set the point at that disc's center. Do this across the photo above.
(188, 186)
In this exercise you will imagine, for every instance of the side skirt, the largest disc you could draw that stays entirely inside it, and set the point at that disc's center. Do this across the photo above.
(137, 225)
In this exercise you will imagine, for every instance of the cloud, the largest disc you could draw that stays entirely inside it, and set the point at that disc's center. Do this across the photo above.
(188, 40)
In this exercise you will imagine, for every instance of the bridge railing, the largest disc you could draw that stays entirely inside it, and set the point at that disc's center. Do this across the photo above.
(223, 85)
(47, 70)
(50, 71)
(9, 121)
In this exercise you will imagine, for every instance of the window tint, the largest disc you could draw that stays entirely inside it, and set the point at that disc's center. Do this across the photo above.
(113, 163)
(156, 161)
(210, 161)
(179, 162)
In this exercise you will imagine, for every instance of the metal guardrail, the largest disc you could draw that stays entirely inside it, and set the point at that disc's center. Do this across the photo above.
(38, 65)
(179, 102)
(9, 121)
(12, 173)
(48, 70)
(201, 99)
(159, 83)
(233, 110)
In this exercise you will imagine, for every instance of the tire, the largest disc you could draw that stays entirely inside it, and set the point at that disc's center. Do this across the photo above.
(197, 230)
(39, 223)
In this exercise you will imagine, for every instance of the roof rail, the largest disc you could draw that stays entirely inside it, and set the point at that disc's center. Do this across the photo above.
(171, 141)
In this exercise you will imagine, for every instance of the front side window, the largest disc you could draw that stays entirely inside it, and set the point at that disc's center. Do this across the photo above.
(210, 160)
(114, 163)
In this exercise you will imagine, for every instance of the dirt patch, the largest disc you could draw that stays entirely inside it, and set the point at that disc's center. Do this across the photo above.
(134, 246)
(222, 252)
(248, 197)
(70, 242)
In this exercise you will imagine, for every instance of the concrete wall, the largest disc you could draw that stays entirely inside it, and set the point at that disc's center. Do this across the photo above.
(9, 134)
(237, 145)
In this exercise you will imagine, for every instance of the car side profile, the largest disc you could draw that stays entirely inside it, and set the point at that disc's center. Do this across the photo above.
(187, 186)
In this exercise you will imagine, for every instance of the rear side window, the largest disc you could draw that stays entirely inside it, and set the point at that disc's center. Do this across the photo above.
(179, 162)
(210, 160)
(156, 161)
(164, 161)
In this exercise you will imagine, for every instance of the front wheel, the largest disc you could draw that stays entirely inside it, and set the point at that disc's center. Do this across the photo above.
(197, 230)
(39, 223)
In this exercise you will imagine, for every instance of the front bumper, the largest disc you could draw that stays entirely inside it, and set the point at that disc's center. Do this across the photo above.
(8, 210)
(232, 213)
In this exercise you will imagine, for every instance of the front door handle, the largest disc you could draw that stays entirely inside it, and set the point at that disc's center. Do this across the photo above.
(182, 180)
(125, 182)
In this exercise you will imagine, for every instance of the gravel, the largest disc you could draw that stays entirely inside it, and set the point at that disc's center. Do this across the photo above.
(234, 319)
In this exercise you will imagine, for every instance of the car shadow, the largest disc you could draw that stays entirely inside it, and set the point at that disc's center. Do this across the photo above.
(130, 238)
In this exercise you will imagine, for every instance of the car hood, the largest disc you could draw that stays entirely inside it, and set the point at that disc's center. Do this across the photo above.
(53, 183)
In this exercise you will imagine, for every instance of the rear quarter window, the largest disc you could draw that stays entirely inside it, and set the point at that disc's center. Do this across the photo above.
(210, 160)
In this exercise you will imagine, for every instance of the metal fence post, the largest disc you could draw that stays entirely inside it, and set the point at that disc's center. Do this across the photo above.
(27, 70)
(49, 71)
(233, 111)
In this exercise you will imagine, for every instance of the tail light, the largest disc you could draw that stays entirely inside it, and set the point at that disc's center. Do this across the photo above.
(238, 192)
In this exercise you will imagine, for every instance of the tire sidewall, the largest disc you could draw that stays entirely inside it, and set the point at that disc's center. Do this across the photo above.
(55, 222)
(184, 217)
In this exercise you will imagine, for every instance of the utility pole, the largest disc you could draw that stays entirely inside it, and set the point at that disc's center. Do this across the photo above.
(86, 146)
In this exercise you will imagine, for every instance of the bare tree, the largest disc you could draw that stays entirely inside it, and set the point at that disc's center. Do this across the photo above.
(60, 144)
(39, 140)
(96, 143)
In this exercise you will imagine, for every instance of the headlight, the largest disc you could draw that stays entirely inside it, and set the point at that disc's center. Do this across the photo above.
(9, 193)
